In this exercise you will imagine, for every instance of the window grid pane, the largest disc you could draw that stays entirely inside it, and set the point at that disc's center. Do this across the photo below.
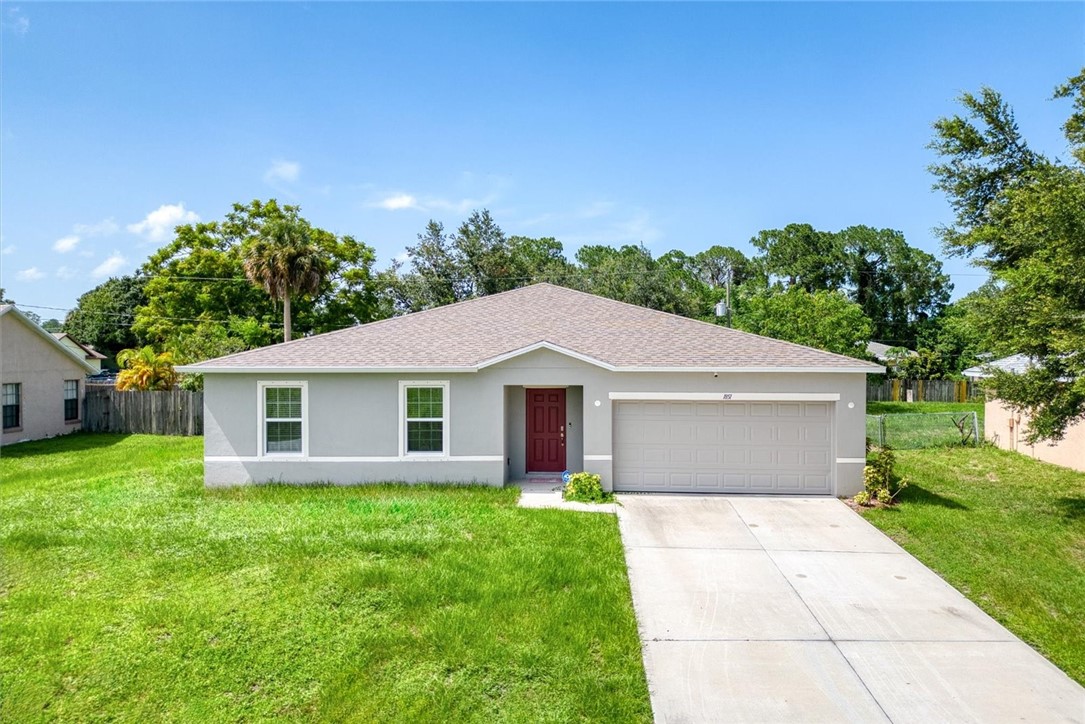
(283, 437)
(282, 403)
(12, 399)
(425, 436)
(71, 389)
(425, 402)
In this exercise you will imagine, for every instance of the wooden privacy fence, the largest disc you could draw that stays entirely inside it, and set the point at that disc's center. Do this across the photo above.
(170, 412)
(922, 391)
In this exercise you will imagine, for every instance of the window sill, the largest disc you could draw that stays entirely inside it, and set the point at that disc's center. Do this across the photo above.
(12, 429)
(72, 422)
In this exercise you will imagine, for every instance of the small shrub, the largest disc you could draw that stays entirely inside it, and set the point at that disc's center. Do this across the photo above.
(586, 488)
(880, 482)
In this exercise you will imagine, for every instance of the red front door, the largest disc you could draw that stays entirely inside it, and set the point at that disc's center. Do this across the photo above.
(545, 431)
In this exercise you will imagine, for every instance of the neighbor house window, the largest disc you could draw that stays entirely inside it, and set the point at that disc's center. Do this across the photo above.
(13, 407)
(283, 412)
(71, 400)
(425, 418)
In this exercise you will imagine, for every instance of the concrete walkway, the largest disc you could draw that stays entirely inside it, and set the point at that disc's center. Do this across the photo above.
(798, 610)
(547, 494)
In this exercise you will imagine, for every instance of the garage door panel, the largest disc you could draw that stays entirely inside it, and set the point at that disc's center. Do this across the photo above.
(763, 433)
(736, 433)
(771, 447)
(761, 457)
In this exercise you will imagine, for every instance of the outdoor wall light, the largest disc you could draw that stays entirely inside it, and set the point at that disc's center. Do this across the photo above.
(851, 405)
(598, 403)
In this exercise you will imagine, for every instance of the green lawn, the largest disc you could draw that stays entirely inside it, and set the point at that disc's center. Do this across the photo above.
(1007, 531)
(129, 592)
(892, 408)
(910, 425)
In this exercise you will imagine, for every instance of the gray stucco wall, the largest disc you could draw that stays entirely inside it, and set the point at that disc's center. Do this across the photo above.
(41, 368)
(357, 416)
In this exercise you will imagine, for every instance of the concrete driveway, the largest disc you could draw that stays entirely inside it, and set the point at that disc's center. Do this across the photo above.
(798, 610)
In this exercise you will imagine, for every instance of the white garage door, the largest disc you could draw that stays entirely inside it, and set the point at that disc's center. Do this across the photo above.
(726, 447)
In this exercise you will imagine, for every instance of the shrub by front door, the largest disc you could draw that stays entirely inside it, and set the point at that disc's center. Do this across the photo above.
(545, 431)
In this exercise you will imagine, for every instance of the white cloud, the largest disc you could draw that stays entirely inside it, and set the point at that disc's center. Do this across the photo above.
(282, 171)
(32, 274)
(7, 250)
(109, 267)
(105, 227)
(159, 224)
(16, 22)
(65, 244)
(65, 272)
(397, 202)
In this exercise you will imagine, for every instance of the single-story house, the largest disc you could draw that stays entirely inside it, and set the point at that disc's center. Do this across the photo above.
(533, 382)
(92, 356)
(1007, 428)
(41, 380)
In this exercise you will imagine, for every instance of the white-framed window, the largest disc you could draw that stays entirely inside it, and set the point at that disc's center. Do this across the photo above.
(423, 418)
(71, 400)
(283, 419)
(13, 405)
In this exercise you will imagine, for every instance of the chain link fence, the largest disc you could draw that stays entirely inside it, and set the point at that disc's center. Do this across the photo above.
(911, 431)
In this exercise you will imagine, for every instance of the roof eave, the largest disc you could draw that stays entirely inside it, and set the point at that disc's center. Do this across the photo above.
(197, 369)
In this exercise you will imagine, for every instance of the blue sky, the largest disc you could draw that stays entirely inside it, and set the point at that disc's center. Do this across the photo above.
(676, 125)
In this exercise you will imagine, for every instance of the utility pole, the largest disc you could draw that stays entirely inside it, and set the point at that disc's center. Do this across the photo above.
(730, 268)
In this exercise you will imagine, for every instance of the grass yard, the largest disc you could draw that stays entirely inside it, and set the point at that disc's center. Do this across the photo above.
(893, 408)
(128, 592)
(1007, 531)
(910, 425)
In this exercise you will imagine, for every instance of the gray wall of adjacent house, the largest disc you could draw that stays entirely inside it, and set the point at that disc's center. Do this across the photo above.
(357, 416)
(40, 368)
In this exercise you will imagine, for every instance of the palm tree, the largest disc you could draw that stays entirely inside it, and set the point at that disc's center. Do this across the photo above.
(143, 369)
(284, 261)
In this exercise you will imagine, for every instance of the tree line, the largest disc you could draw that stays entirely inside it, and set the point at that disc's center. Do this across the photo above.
(225, 286)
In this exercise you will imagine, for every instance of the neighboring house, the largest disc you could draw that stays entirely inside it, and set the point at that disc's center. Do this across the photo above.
(1007, 429)
(533, 382)
(880, 352)
(41, 380)
(92, 356)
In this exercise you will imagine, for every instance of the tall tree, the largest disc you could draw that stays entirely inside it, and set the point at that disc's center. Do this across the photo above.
(283, 260)
(104, 316)
(716, 263)
(800, 255)
(199, 278)
(1023, 217)
(898, 286)
(825, 319)
(478, 259)
(630, 274)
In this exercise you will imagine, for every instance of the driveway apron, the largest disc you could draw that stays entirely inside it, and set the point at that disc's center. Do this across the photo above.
(798, 610)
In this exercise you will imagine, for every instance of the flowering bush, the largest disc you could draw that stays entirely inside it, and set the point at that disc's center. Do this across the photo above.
(586, 488)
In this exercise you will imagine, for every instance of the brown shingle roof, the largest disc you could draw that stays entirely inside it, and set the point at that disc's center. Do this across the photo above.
(469, 334)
